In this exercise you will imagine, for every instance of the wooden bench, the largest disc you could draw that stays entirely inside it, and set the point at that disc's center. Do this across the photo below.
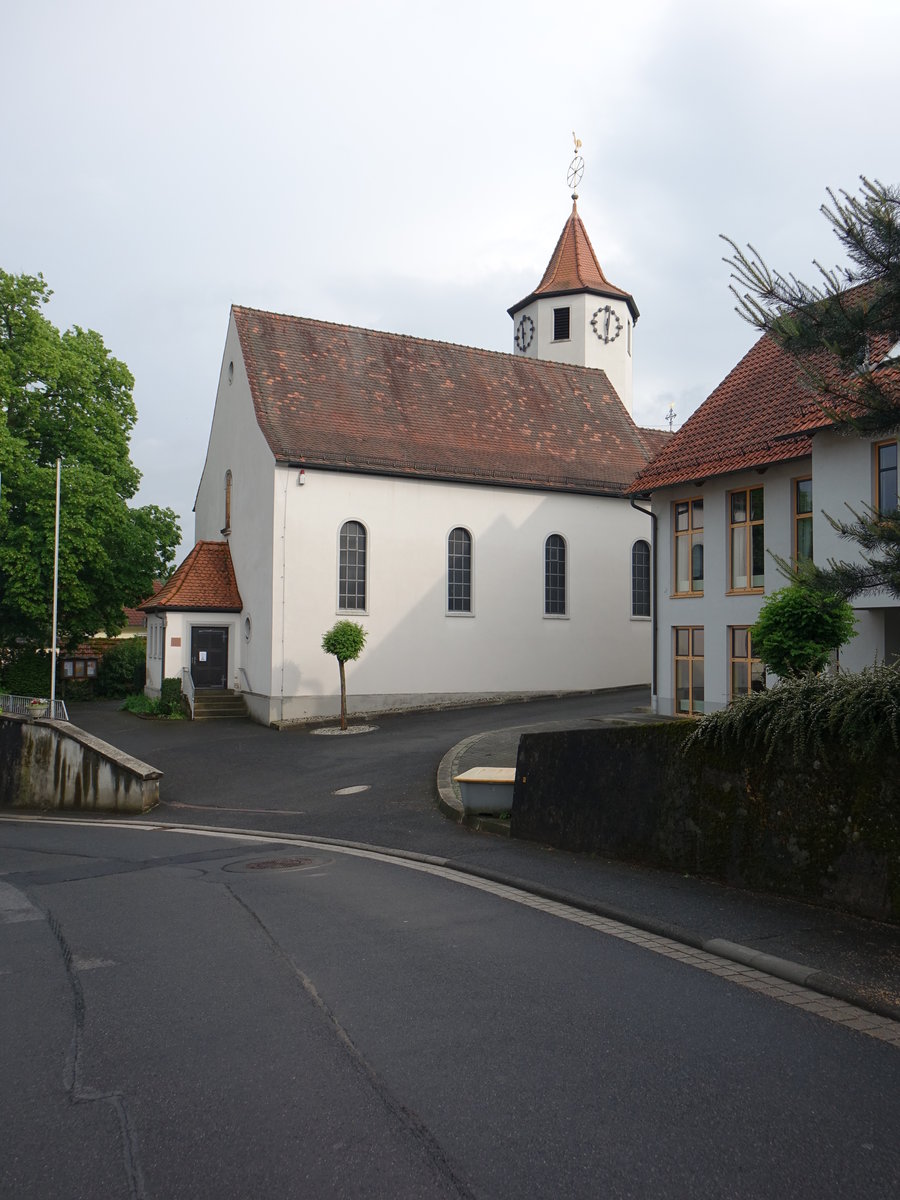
(487, 790)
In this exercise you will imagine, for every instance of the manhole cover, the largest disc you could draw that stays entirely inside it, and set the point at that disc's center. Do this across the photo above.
(275, 864)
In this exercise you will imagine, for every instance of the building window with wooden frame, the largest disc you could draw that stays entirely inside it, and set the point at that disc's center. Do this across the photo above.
(352, 567)
(886, 477)
(640, 579)
(746, 548)
(459, 571)
(803, 521)
(689, 689)
(747, 673)
(555, 576)
(687, 516)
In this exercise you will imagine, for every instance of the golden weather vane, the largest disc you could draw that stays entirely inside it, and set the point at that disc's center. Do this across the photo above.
(576, 167)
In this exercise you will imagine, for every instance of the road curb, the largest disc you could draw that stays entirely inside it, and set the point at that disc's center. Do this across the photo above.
(768, 964)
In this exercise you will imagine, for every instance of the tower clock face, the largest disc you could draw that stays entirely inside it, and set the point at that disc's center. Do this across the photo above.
(607, 323)
(524, 332)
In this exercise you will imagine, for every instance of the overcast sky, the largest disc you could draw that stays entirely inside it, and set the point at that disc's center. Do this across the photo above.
(402, 165)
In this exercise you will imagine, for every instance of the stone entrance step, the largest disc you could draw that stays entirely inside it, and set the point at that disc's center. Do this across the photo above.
(216, 705)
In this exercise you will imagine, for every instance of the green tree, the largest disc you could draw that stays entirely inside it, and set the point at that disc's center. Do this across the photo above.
(842, 331)
(63, 396)
(345, 641)
(798, 628)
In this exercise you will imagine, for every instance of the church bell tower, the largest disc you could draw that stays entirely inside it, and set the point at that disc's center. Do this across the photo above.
(575, 315)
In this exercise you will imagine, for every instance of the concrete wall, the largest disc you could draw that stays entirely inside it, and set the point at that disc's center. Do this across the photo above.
(256, 538)
(842, 473)
(52, 764)
(416, 650)
(716, 610)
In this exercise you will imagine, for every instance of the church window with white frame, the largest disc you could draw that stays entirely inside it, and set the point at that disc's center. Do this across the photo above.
(352, 555)
(640, 579)
(555, 576)
(459, 571)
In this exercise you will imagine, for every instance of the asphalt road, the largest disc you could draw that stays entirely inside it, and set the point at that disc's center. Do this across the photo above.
(196, 1016)
(238, 775)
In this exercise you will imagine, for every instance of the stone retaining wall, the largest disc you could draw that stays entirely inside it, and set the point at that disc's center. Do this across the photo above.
(829, 834)
(52, 764)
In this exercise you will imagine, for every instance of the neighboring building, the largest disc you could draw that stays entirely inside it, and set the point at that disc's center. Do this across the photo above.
(467, 507)
(754, 470)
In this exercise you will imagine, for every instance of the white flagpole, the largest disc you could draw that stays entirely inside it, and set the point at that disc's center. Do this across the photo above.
(54, 650)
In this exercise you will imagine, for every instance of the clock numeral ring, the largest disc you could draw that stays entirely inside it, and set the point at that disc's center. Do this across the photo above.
(524, 333)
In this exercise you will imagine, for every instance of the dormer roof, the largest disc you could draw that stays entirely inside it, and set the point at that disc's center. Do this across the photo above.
(205, 582)
(573, 267)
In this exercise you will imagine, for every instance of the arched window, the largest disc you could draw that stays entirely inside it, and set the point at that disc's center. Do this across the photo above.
(352, 566)
(640, 579)
(555, 576)
(459, 571)
(227, 526)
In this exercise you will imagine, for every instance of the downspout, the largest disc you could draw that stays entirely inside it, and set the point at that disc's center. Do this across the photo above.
(654, 696)
(287, 476)
(162, 657)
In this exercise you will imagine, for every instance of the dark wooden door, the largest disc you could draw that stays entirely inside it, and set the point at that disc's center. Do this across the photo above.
(209, 656)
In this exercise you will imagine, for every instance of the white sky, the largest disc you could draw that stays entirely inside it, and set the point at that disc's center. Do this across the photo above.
(402, 165)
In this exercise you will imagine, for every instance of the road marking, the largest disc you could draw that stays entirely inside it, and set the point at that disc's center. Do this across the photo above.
(15, 906)
(352, 790)
(839, 1012)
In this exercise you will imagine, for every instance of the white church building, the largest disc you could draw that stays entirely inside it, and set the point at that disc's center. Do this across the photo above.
(467, 507)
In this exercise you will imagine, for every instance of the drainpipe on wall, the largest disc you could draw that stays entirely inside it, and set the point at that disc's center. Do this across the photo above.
(287, 476)
(654, 697)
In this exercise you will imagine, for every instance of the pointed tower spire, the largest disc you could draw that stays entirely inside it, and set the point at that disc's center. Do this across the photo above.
(575, 315)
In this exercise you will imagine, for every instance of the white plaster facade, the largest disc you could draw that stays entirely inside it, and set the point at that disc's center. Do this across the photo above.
(594, 340)
(284, 533)
(842, 472)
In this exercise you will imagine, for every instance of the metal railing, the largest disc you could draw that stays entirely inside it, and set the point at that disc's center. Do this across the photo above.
(187, 687)
(33, 706)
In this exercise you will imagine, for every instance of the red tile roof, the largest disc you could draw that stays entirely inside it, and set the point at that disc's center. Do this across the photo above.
(204, 581)
(765, 411)
(339, 397)
(754, 417)
(573, 267)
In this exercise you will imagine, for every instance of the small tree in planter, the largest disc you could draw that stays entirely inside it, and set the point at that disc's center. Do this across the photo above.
(345, 641)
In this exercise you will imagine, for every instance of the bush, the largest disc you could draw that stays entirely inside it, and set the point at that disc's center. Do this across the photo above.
(167, 705)
(811, 717)
(123, 668)
(170, 697)
(26, 673)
